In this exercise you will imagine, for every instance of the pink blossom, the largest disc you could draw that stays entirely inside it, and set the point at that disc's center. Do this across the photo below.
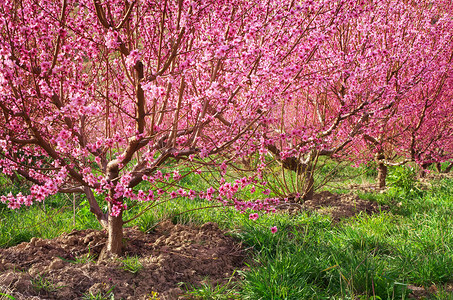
(176, 175)
(182, 192)
(132, 58)
(253, 216)
(192, 194)
(111, 39)
(150, 196)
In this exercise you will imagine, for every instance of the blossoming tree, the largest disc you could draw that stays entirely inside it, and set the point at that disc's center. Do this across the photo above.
(97, 96)
(376, 86)
(416, 127)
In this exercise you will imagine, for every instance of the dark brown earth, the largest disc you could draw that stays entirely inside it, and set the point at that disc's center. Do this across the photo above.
(173, 254)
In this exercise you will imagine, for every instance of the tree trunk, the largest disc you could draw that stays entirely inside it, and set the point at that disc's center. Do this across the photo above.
(309, 184)
(115, 234)
(382, 170)
(382, 175)
(449, 167)
(439, 167)
(246, 163)
(422, 172)
(114, 245)
(14, 179)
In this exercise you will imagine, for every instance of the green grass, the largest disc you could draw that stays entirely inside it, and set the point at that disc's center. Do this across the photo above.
(310, 257)
(107, 295)
(225, 291)
(41, 283)
(131, 264)
(45, 220)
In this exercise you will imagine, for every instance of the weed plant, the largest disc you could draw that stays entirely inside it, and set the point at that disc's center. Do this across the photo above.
(107, 295)
(41, 283)
(131, 264)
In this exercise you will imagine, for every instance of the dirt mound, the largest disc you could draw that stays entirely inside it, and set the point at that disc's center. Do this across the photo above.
(66, 267)
(341, 205)
(338, 206)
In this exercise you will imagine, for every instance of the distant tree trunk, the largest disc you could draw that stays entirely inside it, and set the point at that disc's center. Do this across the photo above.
(382, 175)
(382, 170)
(246, 162)
(379, 158)
(448, 168)
(14, 179)
(309, 179)
(309, 185)
(422, 171)
(439, 167)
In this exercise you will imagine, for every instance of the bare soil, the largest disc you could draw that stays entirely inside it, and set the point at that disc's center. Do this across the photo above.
(421, 293)
(338, 206)
(173, 254)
